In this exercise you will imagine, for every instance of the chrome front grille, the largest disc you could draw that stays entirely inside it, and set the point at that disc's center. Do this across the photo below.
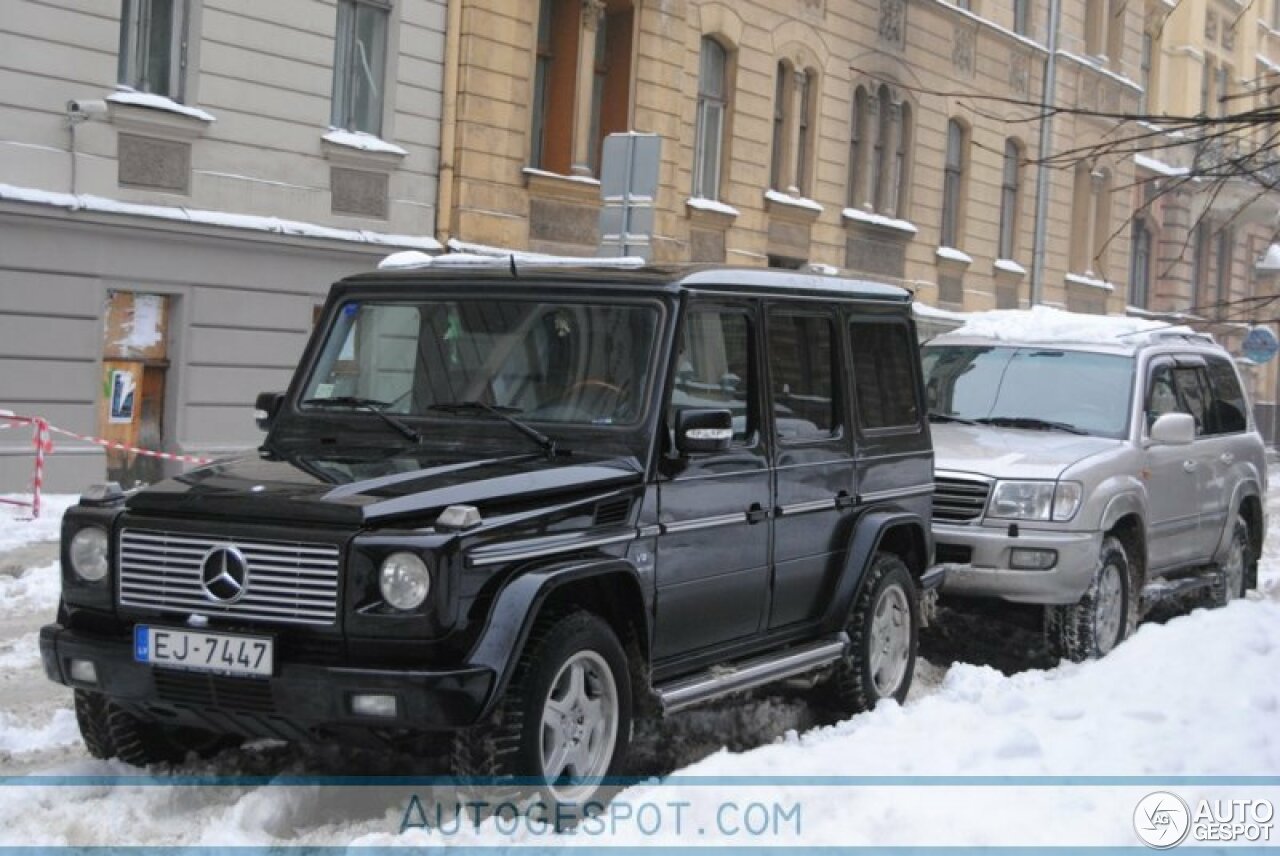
(957, 499)
(288, 581)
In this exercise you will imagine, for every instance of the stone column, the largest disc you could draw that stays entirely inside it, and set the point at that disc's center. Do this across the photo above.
(592, 18)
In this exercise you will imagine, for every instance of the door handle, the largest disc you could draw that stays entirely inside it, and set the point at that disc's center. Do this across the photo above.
(844, 501)
(1227, 458)
(757, 513)
(1189, 466)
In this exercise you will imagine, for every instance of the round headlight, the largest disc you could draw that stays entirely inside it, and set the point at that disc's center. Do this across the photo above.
(89, 548)
(404, 580)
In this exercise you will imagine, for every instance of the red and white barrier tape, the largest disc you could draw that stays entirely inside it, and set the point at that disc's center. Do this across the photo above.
(41, 429)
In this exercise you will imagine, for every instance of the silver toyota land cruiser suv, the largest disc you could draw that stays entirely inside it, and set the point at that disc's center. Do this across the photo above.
(1093, 478)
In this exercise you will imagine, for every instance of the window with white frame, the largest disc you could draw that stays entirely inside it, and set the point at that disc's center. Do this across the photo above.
(713, 106)
(359, 66)
(1009, 185)
(153, 46)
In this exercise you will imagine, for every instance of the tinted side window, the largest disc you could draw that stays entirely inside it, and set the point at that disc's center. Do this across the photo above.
(1227, 414)
(801, 364)
(884, 372)
(1193, 394)
(713, 367)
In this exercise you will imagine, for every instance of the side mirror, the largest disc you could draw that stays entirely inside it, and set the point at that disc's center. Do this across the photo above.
(265, 408)
(1174, 429)
(699, 430)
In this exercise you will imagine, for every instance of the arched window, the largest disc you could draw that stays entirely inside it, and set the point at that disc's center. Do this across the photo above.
(1010, 183)
(953, 185)
(779, 125)
(713, 107)
(858, 129)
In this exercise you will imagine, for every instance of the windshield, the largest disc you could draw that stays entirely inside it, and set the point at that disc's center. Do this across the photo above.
(1086, 391)
(548, 361)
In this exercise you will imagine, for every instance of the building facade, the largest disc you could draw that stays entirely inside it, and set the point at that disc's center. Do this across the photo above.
(893, 138)
(180, 181)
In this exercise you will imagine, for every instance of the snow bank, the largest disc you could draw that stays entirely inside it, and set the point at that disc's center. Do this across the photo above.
(18, 531)
(18, 739)
(36, 590)
(1046, 324)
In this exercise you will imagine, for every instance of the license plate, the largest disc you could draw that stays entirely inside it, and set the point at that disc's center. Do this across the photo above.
(224, 653)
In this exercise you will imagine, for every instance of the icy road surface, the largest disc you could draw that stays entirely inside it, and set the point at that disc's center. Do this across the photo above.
(1195, 695)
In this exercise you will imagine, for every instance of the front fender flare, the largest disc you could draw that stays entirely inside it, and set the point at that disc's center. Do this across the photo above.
(516, 606)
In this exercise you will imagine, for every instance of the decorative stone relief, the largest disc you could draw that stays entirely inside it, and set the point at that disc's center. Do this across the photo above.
(813, 8)
(1211, 26)
(1019, 72)
(1228, 36)
(358, 191)
(893, 23)
(962, 50)
(149, 162)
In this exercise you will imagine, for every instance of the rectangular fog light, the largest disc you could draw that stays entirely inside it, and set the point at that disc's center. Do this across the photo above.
(383, 706)
(84, 671)
(1023, 559)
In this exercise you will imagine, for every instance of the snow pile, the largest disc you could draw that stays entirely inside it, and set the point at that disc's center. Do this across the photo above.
(20, 653)
(18, 530)
(1046, 324)
(18, 739)
(35, 590)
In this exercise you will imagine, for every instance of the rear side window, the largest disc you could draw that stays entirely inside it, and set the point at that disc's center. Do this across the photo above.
(884, 372)
(801, 365)
(1227, 413)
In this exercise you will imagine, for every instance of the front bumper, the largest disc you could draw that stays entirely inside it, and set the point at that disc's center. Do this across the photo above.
(987, 571)
(299, 702)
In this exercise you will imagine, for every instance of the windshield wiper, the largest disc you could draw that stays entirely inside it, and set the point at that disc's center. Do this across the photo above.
(504, 413)
(939, 416)
(370, 404)
(1030, 422)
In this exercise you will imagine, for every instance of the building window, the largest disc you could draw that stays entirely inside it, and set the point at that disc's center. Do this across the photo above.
(1009, 199)
(880, 142)
(1114, 26)
(1206, 75)
(713, 107)
(1223, 89)
(1200, 267)
(565, 140)
(779, 125)
(804, 81)
(1222, 283)
(359, 66)
(1095, 26)
(1022, 17)
(153, 46)
(1144, 74)
(1140, 265)
(953, 186)
(1100, 182)
(1275, 14)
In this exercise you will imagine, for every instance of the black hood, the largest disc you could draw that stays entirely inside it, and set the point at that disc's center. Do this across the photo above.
(354, 491)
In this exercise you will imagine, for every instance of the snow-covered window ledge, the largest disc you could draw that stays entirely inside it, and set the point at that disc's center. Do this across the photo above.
(1008, 270)
(795, 207)
(1088, 280)
(951, 260)
(571, 188)
(358, 149)
(710, 213)
(156, 115)
(893, 225)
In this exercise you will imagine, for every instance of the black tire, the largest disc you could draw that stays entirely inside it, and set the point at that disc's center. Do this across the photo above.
(91, 716)
(511, 743)
(141, 743)
(1082, 631)
(1240, 565)
(856, 685)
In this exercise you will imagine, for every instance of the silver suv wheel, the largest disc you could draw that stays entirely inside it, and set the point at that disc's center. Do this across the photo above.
(891, 629)
(579, 725)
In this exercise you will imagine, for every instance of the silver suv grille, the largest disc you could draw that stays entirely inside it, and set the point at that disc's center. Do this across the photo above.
(287, 581)
(959, 499)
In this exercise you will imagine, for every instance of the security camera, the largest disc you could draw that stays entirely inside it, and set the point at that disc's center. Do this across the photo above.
(86, 108)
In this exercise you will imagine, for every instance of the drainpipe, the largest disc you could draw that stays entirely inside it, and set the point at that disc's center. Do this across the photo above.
(448, 123)
(1043, 173)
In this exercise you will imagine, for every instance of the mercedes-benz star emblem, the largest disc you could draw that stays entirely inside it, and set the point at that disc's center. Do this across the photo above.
(224, 574)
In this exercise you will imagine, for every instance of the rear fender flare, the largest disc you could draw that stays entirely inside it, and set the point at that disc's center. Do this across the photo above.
(868, 533)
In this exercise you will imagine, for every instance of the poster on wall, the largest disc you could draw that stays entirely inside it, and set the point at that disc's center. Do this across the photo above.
(123, 396)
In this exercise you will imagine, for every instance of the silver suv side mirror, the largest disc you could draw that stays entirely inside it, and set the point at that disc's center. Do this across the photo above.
(1173, 429)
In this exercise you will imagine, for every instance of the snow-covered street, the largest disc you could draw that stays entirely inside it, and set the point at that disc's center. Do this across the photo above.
(1195, 696)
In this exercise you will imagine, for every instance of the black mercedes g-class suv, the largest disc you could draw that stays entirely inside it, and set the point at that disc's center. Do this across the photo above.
(514, 508)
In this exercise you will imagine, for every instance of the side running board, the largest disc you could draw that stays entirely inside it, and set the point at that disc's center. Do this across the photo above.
(748, 674)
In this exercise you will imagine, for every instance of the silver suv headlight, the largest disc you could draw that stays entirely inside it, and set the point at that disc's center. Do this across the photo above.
(1035, 500)
(89, 554)
(404, 580)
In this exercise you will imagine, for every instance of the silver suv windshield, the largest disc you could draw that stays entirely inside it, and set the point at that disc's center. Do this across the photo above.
(1030, 387)
(563, 362)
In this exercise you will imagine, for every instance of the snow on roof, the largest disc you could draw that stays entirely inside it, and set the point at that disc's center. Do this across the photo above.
(1045, 324)
(465, 254)
(254, 222)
